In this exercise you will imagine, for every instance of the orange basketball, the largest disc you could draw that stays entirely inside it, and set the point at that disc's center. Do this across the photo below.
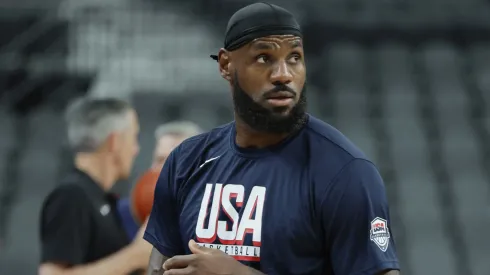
(142, 195)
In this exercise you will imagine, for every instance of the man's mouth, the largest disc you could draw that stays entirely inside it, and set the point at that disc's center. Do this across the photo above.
(282, 98)
(281, 95)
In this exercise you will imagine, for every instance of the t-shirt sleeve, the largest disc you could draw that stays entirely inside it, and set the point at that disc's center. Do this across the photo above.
(65, 227)
(357, 222)
(163, 230)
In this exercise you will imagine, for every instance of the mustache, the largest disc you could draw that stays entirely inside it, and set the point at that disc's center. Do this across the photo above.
(280, 88)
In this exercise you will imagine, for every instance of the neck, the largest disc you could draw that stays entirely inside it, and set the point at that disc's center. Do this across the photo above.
(248, 137)
(97, 167)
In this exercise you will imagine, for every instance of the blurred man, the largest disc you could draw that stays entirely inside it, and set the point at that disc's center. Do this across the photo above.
(167, 137)
(80, 230)
(277, 191)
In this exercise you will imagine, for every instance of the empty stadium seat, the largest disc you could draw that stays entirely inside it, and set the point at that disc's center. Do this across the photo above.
(486, 124)
(460, 148)
(8, 131)
(406, 132)
(471, 188)
(462, 156)
(46, 129)
(151, 109)
(443, 64)
(359, 132)
(347, 80)
(37, 175)
(201, 113)
(22, 254)
(398, 86)
(38, 171)
(428, 246)
(11, 25)
(480, 61)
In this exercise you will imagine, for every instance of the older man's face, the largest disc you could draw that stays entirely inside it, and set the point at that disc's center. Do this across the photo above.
(165, 145)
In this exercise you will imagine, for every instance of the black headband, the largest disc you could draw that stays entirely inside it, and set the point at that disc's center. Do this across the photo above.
(256, 21)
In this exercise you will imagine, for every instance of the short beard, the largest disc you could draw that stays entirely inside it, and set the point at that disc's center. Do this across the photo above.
(262, 119)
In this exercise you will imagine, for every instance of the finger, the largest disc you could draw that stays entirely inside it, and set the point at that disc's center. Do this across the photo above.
(179, 262)
(194, 247)
(183, 271)
(197, 249)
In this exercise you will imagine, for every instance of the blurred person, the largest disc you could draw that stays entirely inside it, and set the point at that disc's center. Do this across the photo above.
(276, 191)
(80, 231)
(167, 137)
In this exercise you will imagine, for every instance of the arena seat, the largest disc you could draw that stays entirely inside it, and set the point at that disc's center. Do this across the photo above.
(7, 125)
(22, 252)
(418, 198)
(151, 109)
(359, 132)
(428, 246)
(204, 115)
(347, 79)
(471, 191)
(486, 123)
(406, 132)
(397, 84)
(479, 56)
(11, 25)
(37, 174)
(443, 64)
(45, 129)
(38, 171)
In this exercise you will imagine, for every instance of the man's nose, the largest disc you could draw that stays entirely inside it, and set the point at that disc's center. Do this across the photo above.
(281, 73)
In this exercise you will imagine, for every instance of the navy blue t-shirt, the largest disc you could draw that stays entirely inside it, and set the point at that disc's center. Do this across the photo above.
(311, 205)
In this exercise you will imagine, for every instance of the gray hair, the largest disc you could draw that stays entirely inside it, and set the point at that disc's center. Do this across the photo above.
(178, 128)
(91, 120)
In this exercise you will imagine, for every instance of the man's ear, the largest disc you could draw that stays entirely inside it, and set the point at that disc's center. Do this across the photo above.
(112, 142)
(224, 64)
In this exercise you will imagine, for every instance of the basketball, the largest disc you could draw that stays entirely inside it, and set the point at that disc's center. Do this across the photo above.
(142, 195)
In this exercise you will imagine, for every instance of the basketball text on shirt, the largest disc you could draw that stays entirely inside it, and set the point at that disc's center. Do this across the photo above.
(243, 214)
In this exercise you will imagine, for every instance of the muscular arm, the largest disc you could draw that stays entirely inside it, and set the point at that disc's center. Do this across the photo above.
(155, 267)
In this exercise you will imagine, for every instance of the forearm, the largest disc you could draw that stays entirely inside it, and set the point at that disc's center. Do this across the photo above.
(121, 262)
(155, 267)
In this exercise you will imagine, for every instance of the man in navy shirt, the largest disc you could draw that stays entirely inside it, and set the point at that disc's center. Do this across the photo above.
(277, 191)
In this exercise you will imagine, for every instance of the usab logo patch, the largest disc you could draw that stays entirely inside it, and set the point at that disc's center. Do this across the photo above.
(380, 234)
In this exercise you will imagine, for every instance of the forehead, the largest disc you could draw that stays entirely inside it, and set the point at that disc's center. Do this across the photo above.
(134, 119)
(277, 41)
(167, 143)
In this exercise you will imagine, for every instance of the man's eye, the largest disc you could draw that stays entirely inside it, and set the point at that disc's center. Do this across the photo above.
(262, 59)
(294, 58)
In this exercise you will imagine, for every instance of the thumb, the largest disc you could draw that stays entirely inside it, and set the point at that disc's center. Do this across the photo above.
(197, 249)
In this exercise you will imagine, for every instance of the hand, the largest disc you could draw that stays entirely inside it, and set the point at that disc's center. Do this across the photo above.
(141, 247)
(204, 261)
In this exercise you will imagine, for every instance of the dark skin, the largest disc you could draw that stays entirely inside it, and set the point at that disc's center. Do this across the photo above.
(259, 65)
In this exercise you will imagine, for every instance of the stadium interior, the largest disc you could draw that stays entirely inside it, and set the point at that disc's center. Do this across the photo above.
(407, 81)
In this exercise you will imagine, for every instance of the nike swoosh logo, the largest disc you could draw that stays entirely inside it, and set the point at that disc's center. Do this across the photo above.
(209, 160)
